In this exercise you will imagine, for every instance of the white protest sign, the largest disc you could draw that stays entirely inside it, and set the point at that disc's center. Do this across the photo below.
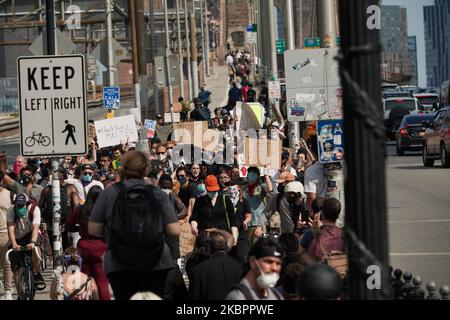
(53, 114)
(112, 132)
(150, 125)
(168, 118)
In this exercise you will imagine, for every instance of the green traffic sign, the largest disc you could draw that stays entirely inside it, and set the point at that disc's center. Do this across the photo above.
(311, 43)
(281, 46)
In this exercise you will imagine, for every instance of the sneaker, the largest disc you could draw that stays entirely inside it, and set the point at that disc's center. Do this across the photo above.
(7, 295)
(39, 282)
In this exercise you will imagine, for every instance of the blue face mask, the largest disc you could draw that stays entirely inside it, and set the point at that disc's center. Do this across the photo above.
(201, 190)
(87, 178)
(212, 194)
(252, 177)
(22, 212)
(182, 179)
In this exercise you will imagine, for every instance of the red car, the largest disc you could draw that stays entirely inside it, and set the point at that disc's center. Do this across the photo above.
(436, 142)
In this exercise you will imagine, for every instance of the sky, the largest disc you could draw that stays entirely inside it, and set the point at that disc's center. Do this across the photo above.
(414, 10)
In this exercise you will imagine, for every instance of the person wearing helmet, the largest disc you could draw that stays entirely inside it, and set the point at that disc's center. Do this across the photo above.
(290, 207)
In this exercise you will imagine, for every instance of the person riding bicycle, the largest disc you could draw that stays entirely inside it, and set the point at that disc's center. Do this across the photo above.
(73, 284)
(23, 220)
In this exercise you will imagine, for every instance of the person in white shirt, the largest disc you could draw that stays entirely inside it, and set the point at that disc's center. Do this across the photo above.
(85, 183)
(230, 60)
(315, 179)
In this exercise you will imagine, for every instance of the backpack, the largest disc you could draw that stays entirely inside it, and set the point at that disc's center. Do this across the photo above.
(137, 231)
(336, 259)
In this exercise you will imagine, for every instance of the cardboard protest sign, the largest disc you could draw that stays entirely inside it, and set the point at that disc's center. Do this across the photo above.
(114, 131)
(190, 133)
(187, 240)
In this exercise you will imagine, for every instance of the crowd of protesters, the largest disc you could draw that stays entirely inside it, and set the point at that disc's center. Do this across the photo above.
(241, 252)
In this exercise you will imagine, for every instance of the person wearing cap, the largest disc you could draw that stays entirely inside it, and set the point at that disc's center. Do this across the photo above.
(85, 182)
(264, 262)
(289, 206)
(23, 221)
(214, 211)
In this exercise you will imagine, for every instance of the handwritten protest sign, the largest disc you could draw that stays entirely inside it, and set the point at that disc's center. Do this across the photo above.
(150, 125)
(187, 240)
(114, 131)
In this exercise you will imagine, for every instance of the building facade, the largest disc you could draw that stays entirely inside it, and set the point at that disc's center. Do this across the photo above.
(412, 53)
(437, 42)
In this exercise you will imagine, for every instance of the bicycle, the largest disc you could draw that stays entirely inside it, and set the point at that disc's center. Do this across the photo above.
(27, 288)
(38, 138)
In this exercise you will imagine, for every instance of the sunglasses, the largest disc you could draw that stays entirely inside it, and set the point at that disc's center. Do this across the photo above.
(160, 153)
(88, 173)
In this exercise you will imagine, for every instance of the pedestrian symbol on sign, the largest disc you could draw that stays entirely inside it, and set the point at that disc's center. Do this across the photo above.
(70, 129)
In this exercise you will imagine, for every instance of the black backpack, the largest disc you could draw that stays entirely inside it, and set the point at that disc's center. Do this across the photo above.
(137, 231)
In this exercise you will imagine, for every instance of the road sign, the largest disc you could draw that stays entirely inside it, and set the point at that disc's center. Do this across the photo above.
(64, 45)
(101, 52)
(281, 46)
(111, 98)
(311, 43)
(313, 87)
(8, 95)
(330, 137)
(53, 113)
(274, 90)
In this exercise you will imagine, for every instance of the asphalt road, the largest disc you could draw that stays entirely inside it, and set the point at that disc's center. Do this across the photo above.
(419, 216)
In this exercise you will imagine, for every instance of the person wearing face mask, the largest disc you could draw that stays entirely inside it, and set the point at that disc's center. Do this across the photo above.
(264, 261)
(290, 206)
(244, 217)
(214, 211)
(85, 182)
(25, 184)
(187, 192)
(255, 192)
(302, 164)
(19, 163)
(163, 157)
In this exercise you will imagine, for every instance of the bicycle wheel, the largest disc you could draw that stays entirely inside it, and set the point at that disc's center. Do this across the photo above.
(45, 141)
(26, 284)
(30, 141)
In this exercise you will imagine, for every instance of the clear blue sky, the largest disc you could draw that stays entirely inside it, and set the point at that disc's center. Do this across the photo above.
(415, 28)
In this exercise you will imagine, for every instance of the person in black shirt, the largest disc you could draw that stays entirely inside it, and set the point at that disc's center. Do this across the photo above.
(187, 190)
(214, 211)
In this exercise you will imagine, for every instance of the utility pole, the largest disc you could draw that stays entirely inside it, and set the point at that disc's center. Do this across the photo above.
(180, 50)
(194, 53)
(327, 34)
(154, 71)
(56, 191)
(188, 50)
(203, 43)
(142, 64)
(108, 12)
(272, 39)
(294, 127)
(168, 73)
(206, 38)
(134, 48)
(366, 218)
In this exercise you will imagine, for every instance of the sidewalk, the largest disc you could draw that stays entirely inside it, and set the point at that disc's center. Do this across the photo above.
(217, 83)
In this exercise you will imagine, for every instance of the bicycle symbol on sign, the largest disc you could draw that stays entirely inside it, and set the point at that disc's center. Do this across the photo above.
(38, 138)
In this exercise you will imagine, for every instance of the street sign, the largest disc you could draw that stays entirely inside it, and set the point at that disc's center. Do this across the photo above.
(313, 86)
(274, 90)
(281, 46)
(101, 52)
(330, 137)
(311, 43)
(111, 98)
(8, 95)
(64, 45)
(53, 113)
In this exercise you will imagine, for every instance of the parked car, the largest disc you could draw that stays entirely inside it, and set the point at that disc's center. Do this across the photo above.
(410, 134)
(395, 108)
(436, 141)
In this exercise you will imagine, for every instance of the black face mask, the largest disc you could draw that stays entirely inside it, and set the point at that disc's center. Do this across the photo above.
(25, 179)
(280, 188)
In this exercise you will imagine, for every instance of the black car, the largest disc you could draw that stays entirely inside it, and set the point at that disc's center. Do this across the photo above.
(410, 134)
